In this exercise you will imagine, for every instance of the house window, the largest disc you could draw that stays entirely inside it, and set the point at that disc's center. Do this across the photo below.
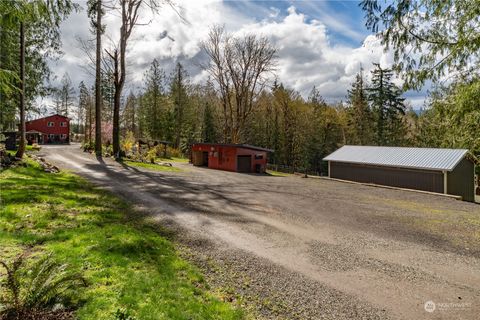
(63, 124)
(51, 136)
(51, 124)
(64, 136)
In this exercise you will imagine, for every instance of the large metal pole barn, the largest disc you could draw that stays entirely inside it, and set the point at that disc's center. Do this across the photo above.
(449, 171)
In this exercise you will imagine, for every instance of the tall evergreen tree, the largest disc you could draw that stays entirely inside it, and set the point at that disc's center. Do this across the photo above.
(129, 115)
(387, 103)
(64, 96)
(35, 27)
(83, 101)
(178, 93)
(314, 145)
(107, 91)
(360, 116)
(429, 39)
(96, 12)
(153, 103)
(208, 127)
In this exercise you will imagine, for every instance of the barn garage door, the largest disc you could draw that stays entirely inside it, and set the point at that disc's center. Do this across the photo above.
(244, 163)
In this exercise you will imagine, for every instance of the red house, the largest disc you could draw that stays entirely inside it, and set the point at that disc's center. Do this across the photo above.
(51, 129)
(230, 157)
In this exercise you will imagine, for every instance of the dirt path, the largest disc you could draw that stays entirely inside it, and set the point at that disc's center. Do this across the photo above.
(305, 248)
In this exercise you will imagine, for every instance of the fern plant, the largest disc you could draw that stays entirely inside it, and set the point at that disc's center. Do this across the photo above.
(26, 291)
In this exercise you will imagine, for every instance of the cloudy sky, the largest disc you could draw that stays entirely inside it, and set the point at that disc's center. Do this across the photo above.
(321, 43)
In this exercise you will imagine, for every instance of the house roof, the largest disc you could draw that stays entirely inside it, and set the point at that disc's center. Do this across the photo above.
(245, 146)
(53, 115)
(416, 158)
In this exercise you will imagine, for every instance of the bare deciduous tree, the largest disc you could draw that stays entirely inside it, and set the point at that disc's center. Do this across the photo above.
(130, 14)
(239, 66)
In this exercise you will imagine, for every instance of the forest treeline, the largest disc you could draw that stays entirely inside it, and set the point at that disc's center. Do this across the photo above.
(242, 102)
(169, 107)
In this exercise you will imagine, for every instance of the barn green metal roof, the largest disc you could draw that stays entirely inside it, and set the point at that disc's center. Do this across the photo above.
(436, 159)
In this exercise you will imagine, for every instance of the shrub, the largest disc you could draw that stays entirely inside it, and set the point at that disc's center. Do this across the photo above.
(172, 152)
(88, 146)
(36, 290)
(107, 150)
(128, 142)
(152, 154)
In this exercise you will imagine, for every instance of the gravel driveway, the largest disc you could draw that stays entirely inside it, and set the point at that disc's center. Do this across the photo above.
(294, 248)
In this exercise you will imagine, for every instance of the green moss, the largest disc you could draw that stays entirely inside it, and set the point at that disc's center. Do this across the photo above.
(128, 264)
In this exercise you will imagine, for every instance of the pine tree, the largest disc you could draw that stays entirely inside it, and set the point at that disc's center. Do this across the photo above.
(130, 115)
(178, 92)
(314, 145)
(387, 103)
(95, 13)
(64, 96)
(359, 114)
(107, 91)
(83, 101)
(153, 109)
(208, 127)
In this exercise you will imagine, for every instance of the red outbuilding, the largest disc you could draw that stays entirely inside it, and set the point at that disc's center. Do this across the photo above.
(230, 157)
(51, 129)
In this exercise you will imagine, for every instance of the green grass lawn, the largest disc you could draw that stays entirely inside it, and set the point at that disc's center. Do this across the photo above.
(150, 166)
(30, 148)
(173, 159)
(128, 264)
(278, 173)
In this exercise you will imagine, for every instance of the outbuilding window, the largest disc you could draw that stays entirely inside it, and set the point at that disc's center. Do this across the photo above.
(63, 124)
(51, 124)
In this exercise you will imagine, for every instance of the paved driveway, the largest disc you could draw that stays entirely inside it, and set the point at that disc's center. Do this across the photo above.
(290, 247)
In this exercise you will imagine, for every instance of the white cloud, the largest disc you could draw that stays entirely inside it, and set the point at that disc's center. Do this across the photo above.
(306, 56)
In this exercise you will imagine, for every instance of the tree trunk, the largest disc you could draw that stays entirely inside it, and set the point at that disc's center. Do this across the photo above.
(90, 116)
(120, 80)
(116, 110)
(98, 97)
(22, 129)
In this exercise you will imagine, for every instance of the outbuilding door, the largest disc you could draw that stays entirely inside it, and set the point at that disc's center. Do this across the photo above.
(244, 163)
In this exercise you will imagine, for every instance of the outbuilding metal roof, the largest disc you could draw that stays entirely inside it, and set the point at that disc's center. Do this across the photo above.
(245, 146)
(415, 158)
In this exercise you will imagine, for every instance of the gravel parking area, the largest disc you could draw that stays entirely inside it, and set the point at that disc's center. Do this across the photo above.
(294, 248)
